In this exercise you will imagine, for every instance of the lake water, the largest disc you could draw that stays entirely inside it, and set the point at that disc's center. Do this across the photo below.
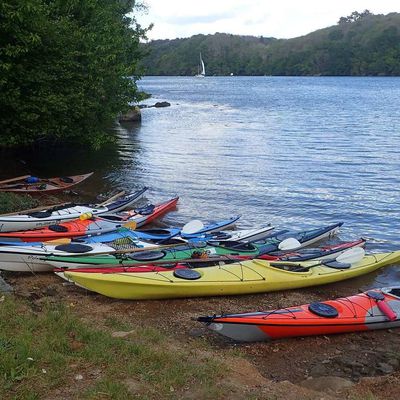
(296, 152)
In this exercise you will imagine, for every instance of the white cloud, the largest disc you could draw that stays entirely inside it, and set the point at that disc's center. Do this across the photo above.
(281, 19)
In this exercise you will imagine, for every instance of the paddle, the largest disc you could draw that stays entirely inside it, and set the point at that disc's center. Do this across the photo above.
(191, 227)
(116, 196)
(351, 256)
(18, 178)
(289, 244)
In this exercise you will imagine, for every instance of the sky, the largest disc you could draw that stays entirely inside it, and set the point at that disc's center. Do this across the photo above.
(269, 18)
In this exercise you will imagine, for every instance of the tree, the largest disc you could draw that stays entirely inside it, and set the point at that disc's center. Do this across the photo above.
(354, 17)
(67, 68)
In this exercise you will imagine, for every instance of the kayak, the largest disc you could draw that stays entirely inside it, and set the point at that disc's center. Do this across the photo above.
(321, 253)
(375, 309)
(31, 184)
(157, 235)
(56, 215)
(207, 249)
(28, 258)
(92, 226)
(252, 276)
(209, 257)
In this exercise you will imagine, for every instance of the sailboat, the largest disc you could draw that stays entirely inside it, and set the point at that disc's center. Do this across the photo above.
(201, 69)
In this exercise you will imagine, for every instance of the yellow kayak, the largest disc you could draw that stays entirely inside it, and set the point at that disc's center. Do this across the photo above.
(253, 276)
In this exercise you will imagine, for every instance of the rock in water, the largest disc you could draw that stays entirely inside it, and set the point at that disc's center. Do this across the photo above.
(133, 115)
(162, 104)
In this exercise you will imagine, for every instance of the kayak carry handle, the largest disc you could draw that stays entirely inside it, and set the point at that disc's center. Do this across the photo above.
(387, 310)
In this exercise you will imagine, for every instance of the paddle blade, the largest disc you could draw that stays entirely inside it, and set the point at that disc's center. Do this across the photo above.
(289, 244)
(59, 241)
(132, 225)
(351, 256)
(192, 227)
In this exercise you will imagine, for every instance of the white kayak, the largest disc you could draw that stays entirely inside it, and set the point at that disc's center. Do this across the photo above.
(33, 257)
(56, 215)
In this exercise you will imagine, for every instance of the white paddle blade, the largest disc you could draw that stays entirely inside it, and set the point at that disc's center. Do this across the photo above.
(351, 256)
(192, 227)
(289, 244)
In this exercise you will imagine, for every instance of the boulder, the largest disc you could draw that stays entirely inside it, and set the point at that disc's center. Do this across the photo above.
(160, 104)
(133, 115)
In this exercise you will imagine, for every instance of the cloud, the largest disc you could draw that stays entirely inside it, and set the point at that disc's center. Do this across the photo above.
(276, 18)
(196, 19)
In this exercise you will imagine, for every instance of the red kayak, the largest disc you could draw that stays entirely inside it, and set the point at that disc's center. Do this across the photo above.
(375, 309)
(94, 225)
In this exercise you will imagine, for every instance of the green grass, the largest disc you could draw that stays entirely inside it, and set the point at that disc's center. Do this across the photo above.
(145, 365)
(10, 202)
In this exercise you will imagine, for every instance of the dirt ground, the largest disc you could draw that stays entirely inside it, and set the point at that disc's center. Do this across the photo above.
(353, 366)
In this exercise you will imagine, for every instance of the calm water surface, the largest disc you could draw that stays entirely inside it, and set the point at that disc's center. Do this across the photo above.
(294, 152)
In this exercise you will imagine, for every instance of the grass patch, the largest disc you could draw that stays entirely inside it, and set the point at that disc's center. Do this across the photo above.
(43, 352)
(10, 202)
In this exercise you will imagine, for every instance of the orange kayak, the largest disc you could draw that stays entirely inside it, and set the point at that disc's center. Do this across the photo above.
(93, 225)
(375, 309)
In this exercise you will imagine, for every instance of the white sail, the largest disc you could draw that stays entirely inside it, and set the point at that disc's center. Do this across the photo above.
(201, 69)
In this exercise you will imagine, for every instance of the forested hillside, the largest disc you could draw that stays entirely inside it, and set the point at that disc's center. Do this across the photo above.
(360, 44)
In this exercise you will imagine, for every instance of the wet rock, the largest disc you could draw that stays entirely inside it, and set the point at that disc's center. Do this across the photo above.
(332, 384)
(196, 332)
(160, 104)
(5, 287)
(385, 368)
(51, 290)
(318, 370)
(133, 115)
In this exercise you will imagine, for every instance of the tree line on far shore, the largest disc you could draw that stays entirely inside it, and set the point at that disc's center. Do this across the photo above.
(361, 44)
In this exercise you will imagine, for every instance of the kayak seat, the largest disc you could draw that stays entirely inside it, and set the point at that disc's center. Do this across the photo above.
(40, 214)
(323, 310)
(146, 255)
(236, 245)
(289, 267)
(74, 248)
(395, 292)
(155, 232)
(58, 228)
(337, 265)
(146, 210)
(220, 235)
(66, 179)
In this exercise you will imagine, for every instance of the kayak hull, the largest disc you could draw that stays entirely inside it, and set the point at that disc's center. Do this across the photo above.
(354, 313)
(37, 220)
(90, 227)
(256, 276)
(47, 186)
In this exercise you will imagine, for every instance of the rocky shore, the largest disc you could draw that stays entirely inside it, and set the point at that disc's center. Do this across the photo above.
(351, 366)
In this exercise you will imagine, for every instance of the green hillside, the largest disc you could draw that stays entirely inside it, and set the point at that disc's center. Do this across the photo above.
(360, 44)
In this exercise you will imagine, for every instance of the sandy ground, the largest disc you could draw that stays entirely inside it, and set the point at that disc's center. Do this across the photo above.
(354, 366)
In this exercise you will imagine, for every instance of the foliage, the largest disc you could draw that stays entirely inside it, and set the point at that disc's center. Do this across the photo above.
(354, 16)
(366, 44)
(65, 68)
(10, 202)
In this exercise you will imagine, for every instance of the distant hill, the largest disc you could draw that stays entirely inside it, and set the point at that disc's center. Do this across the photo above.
(361, 44)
